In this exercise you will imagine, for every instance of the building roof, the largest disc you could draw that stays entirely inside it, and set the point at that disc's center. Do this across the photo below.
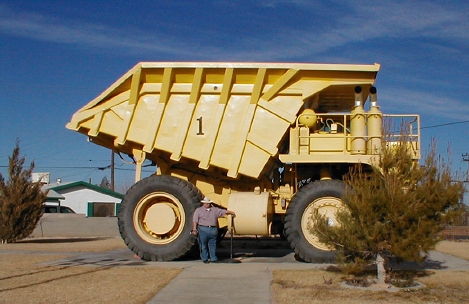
(52, 194)
(57, 187)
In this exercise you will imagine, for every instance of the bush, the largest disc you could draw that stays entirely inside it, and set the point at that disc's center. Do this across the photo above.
(21, 200)
(396, 210)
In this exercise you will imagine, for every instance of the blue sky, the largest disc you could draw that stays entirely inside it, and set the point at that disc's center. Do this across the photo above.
(56, 56)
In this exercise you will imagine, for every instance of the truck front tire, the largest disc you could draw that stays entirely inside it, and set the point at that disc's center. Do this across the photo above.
(324, 197)
(155, 217)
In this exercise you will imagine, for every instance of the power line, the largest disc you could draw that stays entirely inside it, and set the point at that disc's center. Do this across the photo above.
(63, 167)
(445, 124)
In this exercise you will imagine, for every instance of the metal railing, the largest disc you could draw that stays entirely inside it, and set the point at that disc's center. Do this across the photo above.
(395, 128)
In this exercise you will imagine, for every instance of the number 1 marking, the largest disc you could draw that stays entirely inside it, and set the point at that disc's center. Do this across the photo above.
(200, 126)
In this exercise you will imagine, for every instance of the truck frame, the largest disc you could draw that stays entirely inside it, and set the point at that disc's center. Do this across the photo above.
(270, 141)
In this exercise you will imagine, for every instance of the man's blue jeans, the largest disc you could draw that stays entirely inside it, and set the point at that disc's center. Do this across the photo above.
(208, 243)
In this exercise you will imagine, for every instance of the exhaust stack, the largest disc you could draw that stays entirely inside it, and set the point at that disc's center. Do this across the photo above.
(358, 96)
(373, 97)
(358, 124)
(374, 124)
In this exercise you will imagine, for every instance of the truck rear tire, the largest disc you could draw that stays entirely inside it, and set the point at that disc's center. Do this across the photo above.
(155, 217)
(324, 196)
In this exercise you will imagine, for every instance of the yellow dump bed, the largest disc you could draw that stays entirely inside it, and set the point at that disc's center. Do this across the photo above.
(231, 116)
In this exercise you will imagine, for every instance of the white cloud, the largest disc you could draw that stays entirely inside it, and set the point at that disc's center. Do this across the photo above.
(363, 23)
(425, 103)
(396, 20)
(83, 34)
(386, 19)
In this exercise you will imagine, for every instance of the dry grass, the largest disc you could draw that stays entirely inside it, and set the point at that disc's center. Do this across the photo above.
(66, 244)
(307, 286)
(459, 249)
(24, 280)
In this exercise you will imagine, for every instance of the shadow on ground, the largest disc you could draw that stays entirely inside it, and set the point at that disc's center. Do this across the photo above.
(62, 240)
(248, 247)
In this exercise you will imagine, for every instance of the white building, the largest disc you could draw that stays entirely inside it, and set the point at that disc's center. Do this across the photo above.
(84, 198)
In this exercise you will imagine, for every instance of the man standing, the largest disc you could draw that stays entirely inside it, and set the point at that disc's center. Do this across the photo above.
(205, 224)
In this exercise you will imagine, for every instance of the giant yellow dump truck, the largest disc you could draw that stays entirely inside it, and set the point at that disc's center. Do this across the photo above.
(270, 141)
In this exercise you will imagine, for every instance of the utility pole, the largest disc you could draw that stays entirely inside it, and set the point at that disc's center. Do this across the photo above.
(465, 157)
(112, 170)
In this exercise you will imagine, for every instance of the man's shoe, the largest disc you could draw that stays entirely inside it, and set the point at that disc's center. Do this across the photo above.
(206, 262)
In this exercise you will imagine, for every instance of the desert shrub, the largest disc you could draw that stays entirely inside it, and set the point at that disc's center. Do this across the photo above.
(395, 210)
(21, 200)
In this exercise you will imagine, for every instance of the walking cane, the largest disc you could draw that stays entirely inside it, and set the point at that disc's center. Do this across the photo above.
(231, 260)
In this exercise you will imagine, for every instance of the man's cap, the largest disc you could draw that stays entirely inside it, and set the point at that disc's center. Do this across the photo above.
(206, 200)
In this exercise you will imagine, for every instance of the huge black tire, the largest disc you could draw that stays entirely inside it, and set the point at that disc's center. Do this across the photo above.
(155, 217)
(326, 197)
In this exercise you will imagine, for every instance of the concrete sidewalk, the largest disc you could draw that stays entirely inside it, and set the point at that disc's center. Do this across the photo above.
(249, 282)
(219, 283)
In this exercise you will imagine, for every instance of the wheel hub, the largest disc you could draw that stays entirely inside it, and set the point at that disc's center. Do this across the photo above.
(159, 218)
(325, 206)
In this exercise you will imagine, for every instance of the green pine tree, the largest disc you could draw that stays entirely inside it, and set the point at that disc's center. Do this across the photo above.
(21, 200)
(397, 210)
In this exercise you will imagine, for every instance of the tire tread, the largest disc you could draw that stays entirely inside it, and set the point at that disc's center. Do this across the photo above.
(191, 197)
(302, 248)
